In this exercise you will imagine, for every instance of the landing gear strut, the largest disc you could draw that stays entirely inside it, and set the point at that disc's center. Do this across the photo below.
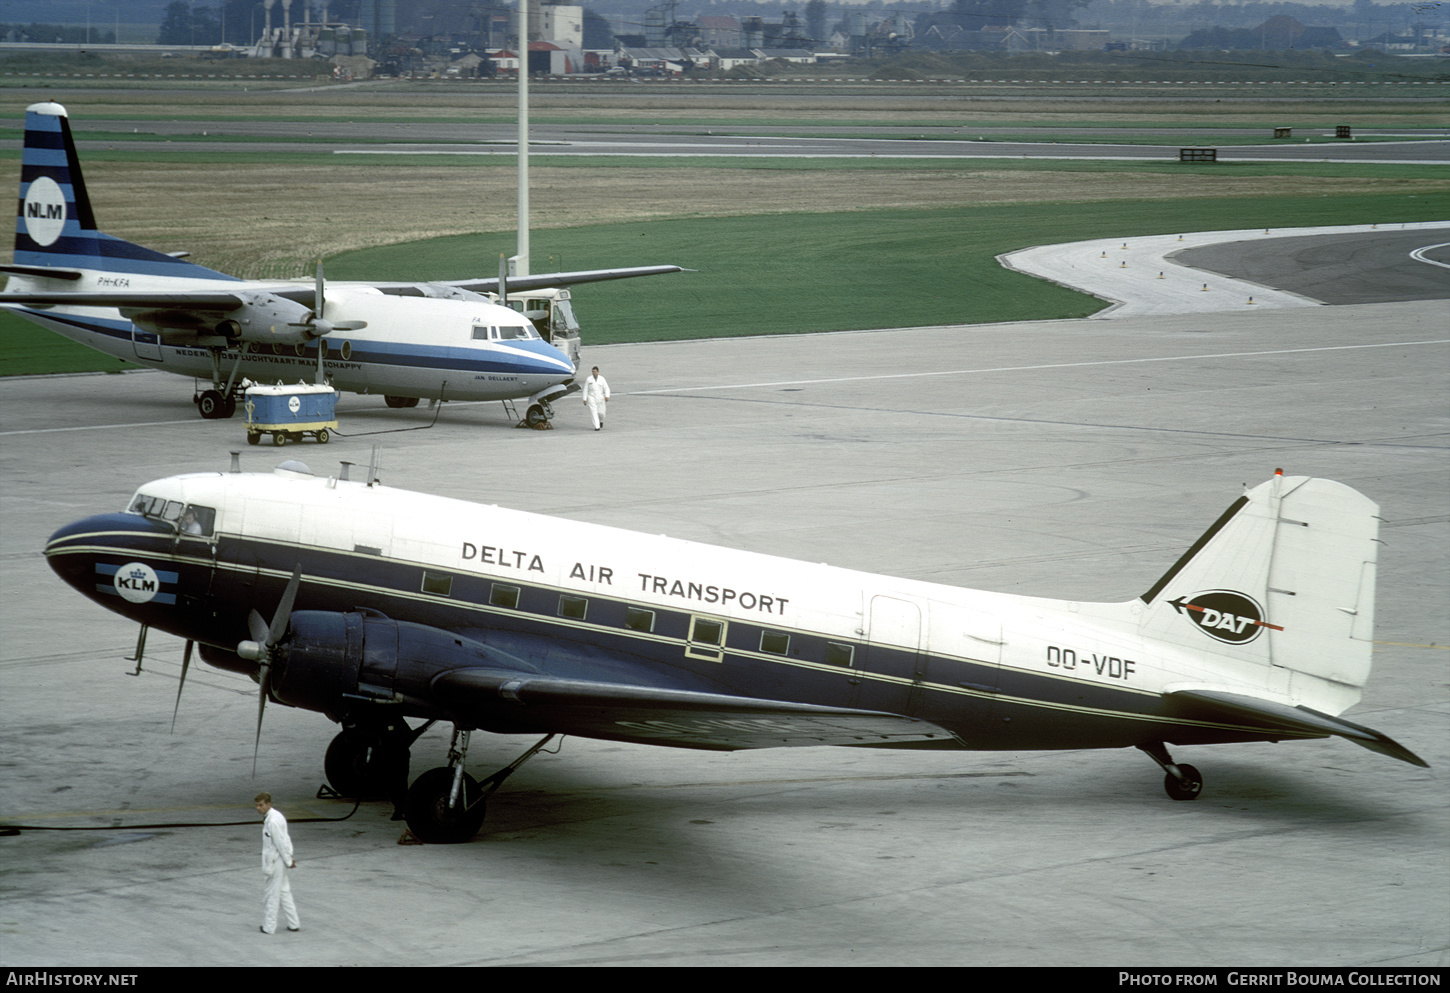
(446, 805)
(1182, 781)
(221, 400)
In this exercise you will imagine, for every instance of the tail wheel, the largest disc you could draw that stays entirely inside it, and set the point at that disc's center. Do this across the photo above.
(1186, 785)
(432, 819)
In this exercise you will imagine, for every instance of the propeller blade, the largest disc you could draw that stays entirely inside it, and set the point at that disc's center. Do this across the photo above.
(318, 300)
(257, 625)
(267, 639)
(185, 664)
(261, 709)
(284, 609)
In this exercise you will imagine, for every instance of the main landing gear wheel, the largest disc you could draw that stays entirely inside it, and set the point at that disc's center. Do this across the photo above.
(365, 770)
(399, 403)
(212, 405)
(432, 819)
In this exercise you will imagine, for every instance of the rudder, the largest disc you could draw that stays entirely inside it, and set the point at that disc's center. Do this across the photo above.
(1285, 578)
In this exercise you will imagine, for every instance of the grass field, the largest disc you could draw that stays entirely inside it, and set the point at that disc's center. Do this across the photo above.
(784, 246)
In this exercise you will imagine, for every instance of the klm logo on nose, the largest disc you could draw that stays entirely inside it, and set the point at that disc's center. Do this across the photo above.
(136, 582)
(139, 582)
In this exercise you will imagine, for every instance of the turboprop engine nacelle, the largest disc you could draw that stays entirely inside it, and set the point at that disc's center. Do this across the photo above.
(263, 317)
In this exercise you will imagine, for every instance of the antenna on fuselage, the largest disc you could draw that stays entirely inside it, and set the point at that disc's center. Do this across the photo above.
(374, 464)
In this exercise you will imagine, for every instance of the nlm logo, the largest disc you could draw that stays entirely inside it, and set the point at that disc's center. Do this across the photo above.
(46, 211)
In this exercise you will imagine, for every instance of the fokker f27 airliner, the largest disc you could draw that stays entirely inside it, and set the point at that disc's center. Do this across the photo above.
(430, 340)
(376, 606)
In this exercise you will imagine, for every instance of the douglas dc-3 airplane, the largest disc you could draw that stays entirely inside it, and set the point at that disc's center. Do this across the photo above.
(403, 340)
(387, 605)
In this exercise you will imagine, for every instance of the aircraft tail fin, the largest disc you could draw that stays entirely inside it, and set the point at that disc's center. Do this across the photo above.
(56, 228)
(1285, 579)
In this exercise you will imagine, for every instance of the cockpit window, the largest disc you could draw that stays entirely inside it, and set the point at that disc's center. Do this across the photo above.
(483, 332)
(194, 519)
(197, 520)
(156, 507)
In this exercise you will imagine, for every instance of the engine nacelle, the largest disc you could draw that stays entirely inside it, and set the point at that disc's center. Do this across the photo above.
(273, 319)
(263, 317)
(335, 663)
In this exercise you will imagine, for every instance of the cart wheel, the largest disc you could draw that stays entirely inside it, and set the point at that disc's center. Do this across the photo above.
(254, 438)
(279, 438)
(322, 436)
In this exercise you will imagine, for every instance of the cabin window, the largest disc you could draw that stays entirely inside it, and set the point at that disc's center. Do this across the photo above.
(774, 642)
(437, 583)
(504, 596)
(637, 619)
(841, 655)
(574, 607)
(707, 638)
(197, 520)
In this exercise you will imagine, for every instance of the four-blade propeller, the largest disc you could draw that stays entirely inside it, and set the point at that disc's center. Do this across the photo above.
(262, 648)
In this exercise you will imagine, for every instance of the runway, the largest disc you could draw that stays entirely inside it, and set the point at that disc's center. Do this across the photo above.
(1072, 459)
(733, 141)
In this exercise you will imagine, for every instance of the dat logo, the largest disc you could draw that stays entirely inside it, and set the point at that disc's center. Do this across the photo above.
(137, 582)
(1225, 615)
(44, 211)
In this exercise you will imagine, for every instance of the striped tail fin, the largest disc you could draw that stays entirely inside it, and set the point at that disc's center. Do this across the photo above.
(56, 229)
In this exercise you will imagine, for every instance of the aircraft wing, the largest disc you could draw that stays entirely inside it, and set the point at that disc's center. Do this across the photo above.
(1297, 721)
(521, 284)
(511, 702)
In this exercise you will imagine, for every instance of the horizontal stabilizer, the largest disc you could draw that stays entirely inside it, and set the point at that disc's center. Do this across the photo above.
(507, 701)
(1213, 705)
(128, 300)
(44, 272)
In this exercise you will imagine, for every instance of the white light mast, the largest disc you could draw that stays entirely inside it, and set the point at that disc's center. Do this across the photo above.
(521, 259)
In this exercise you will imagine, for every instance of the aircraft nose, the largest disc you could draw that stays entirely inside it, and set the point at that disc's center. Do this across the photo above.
(87, 553)
(64, 552)
(548, 360)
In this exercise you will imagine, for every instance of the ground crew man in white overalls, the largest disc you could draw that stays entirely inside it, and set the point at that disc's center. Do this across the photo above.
(596, 395)
(276, 860)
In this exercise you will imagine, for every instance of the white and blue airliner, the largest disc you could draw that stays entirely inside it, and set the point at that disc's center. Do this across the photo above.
(388, 606)
(406, 341)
